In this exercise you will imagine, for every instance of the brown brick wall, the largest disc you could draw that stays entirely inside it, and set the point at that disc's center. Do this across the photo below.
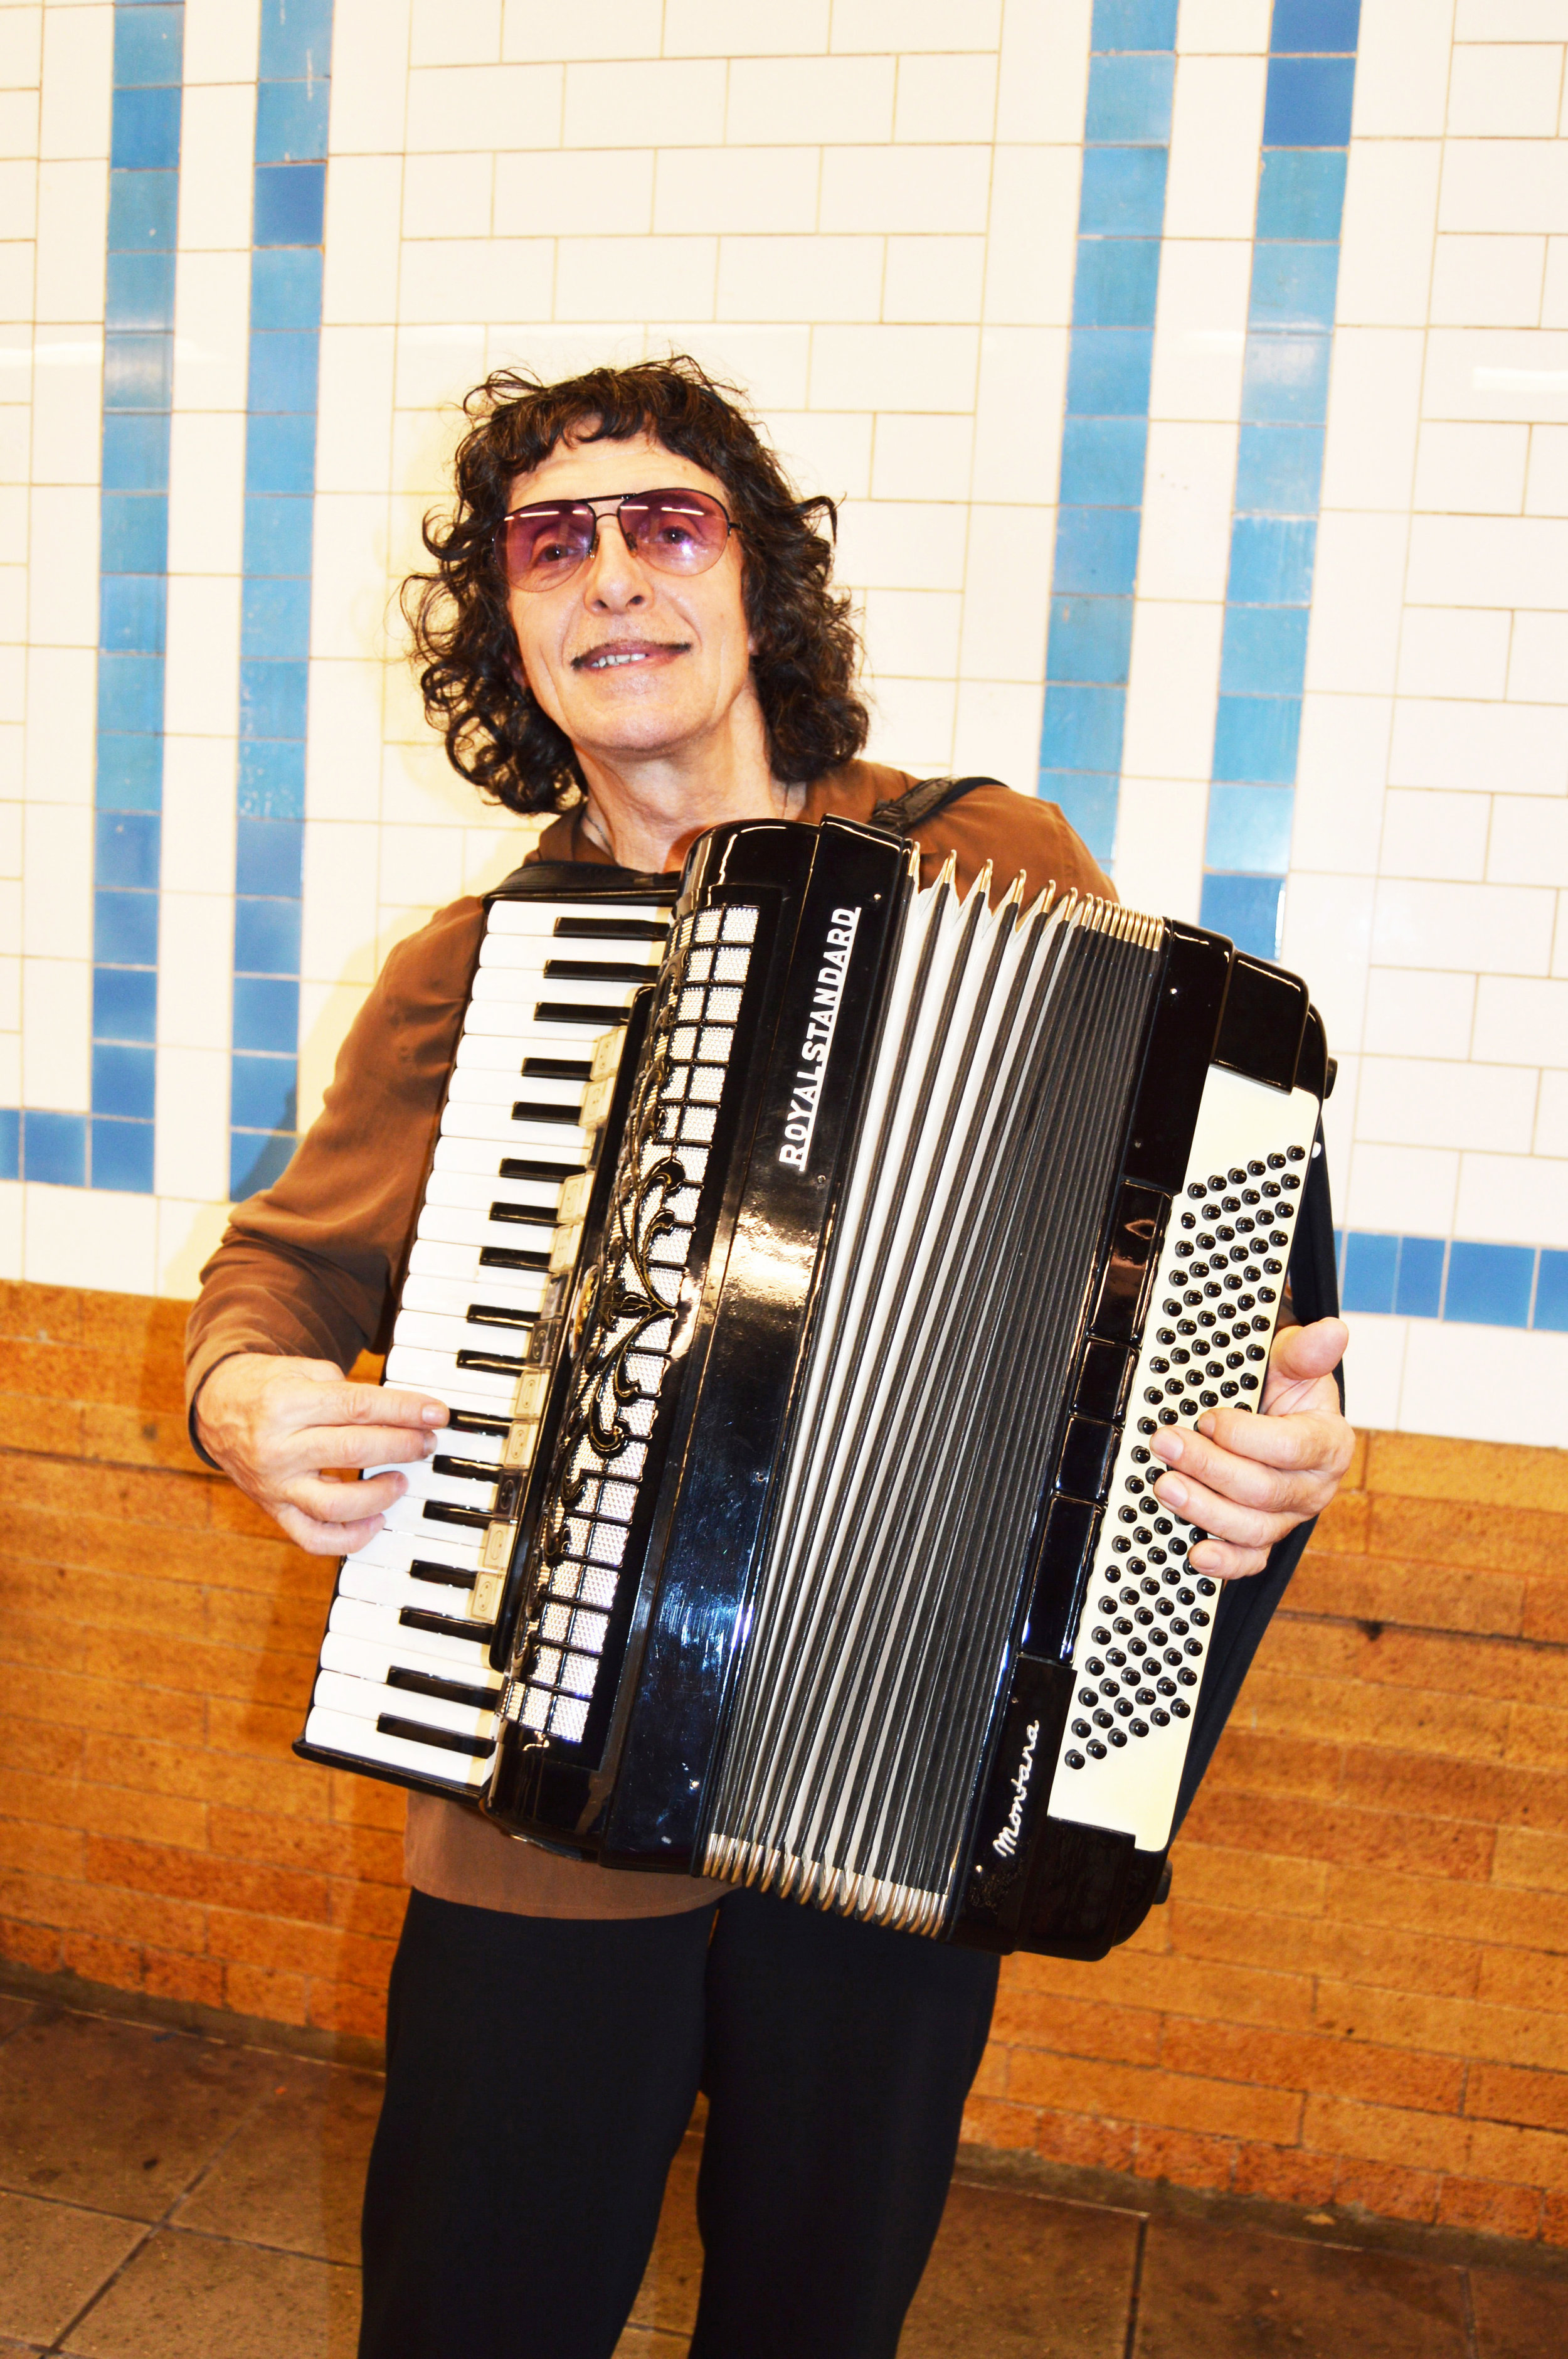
(1359, 1992)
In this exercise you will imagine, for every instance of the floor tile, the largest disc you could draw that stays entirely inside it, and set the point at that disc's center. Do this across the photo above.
(13, 2013)
(53, 2258)
(667, 2299)
(1021, 2277)
(187, 2296)
(647, 2343)
(295, 2171)
(1519, 2317)
(1209, 2292)
(117, 2115)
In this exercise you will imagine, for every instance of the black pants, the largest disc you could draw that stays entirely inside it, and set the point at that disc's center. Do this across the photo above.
(540, 2074)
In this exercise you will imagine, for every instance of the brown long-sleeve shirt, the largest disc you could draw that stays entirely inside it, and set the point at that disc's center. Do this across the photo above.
(312, 1266)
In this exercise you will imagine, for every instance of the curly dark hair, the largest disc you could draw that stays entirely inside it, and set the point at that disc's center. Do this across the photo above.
(806, 650)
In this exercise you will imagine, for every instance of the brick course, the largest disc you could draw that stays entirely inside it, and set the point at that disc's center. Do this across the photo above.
(1357, 1994)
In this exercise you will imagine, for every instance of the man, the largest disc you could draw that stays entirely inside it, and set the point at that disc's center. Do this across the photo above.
(657, 670)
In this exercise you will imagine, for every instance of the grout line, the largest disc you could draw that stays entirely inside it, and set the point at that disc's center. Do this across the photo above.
(1466, 2295)
(1135, 2299)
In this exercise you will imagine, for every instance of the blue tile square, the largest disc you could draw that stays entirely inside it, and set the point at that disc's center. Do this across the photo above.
(1097, 550)
(280, 453)
(1107, 372)
(1247, 909)
(54, 1148)
(1123, 194)
(266, 937)
(1090, 639)
(1285, 377)
(144, 128)
(130, 692)
(125, 1003)
(1552, 1292)
(1129, 99)
(266, 1015)
(1308, 102)
(269, 856)
(10, 1143)
(1489, 1286)
(1293, 286)
(149, 45)
(1371, 1264)
(1133, 25)
(286, 287)
(136, 452)
(125, 927)
(129, 773)
(276, 620)
(283, 371)
(256, 1160)
(138, 371)
(1082, 729)
(1255, 739)
(133, 532)
(1314, 26)
(1301, 192)
(1088, 803)
(1278, 469)
(124, 1081)
(273, 698)
(131, 608)
(1417, 1293)
(262, 1092)
(271, 778)
(1272, 561)
(1117, 282)
(295, 40)
(144, 212)
(278, 534)
(290, 205)
(1249, 830)
(1103, 461)
(122, 1157)
(128, 849)
(139, 291)
(291, 122)
(1265, 650)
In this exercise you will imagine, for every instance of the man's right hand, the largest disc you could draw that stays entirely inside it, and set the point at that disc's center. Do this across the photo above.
(275, 1425)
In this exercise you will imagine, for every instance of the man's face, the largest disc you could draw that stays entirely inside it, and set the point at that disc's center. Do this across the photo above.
(628, 660)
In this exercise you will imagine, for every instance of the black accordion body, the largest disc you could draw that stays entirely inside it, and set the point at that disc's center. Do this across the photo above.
(805, 1327)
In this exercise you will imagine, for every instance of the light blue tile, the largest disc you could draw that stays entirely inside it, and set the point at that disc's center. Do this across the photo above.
(1090, 639)
(262, 1096)
(122, 1157)
(1313, 26)
(1371, 1264)
(133, 532)
(136, 452)
(1107, 372)
(1265, 651)
(1285, 377)
(1122, 192)
(295, 40)
(139, 291)
(1088, 802)
(144, 128)
(1300, 193)
(1418, 1294)
(280, 453)
(290, 204)
(1308, 102)
(278, 534)
(149, 46)
(1249, 830)
(272, 778)
(144, 209)
(266, 937)
(1279, 470)
(125, 1003)
(1133, 25)
(10, 1143)
(125, 928)
(291, 122)
(1097, 550)
(274, 623)
(1255, 739)
(54, 1148)
(131, 613)
(1551, 1293)
(1103, 460)
(1272, 561)
(1489, 1286)
(1117, 282)
(1293, 286)
(138, 371)
(269, 859)
(1082, 729)
(256, 1160)
(266, 1013)
(1247, 909)
(1129, 99)
(283, 371)
(123, 1081)
(272, 699)
(130, 692)
(129, 772)
(286, 287)
(127, 849)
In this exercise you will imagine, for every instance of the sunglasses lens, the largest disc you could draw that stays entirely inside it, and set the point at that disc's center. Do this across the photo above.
(678, 531)
(542, 546)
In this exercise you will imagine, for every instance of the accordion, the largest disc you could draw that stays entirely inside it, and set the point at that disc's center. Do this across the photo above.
(804, 1329)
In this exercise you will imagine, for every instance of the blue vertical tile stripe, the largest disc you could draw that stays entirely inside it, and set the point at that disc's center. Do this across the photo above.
(1472, 1283)
(1284, 404)
(290, 187)
(1105, 434)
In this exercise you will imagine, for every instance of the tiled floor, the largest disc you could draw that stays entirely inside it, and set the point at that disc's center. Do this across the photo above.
(165, 2196)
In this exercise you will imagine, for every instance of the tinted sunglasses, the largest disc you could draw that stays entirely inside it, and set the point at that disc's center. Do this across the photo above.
(677, 531)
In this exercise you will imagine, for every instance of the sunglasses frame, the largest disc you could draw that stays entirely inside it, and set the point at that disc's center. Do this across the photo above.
(601, 504)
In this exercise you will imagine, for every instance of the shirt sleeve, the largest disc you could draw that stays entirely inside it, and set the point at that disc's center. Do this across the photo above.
(1019, 835)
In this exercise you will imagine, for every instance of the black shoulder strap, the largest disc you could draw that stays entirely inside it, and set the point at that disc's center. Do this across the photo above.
(903, 814)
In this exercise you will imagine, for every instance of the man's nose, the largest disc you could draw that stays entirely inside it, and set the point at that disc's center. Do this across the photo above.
(616, 577)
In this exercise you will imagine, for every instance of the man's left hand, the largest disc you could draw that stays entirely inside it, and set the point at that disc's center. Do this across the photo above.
(1247, 1480)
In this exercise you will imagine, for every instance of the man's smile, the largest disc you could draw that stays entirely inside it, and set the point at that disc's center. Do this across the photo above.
(612, 653)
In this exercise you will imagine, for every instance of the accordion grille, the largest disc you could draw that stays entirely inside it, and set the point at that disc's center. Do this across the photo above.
(951, 1304)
